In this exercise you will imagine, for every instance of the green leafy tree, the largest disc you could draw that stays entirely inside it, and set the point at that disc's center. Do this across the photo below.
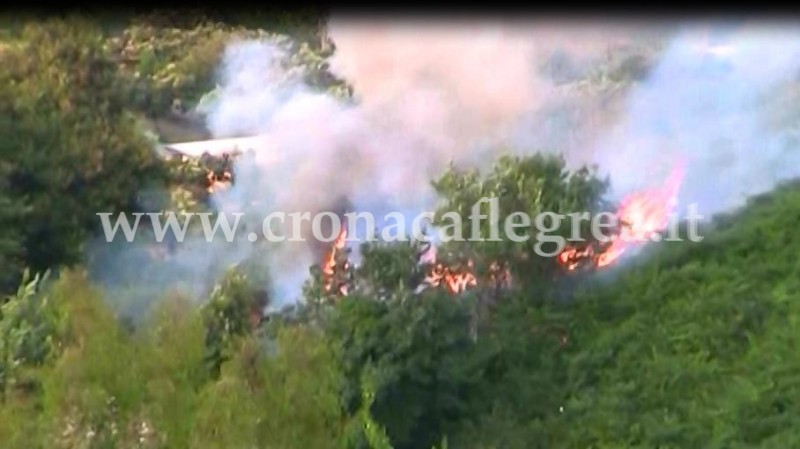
(169, 64)
(92, 393)
(12, 252)
(423, 361)
(286, 395)
(389, 269)
(173, 354)
(533, 185)
(69, 148)
(234, 310)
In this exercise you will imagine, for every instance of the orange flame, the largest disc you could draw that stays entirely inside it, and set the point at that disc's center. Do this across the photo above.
(460, 279)
(572, 256)
(329, 263)
(459, 282)
(329, 260)
(642, 214)
(455, 281)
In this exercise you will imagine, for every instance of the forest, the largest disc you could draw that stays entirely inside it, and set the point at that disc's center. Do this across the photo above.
(686, 345)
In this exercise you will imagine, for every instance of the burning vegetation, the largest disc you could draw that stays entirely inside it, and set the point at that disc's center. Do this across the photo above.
(336, 268)
(219, 172)
(207, 167)
(640, 215)
(338, 280)
(456, 279)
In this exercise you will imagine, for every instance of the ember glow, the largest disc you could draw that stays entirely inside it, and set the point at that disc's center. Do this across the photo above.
(641, 215)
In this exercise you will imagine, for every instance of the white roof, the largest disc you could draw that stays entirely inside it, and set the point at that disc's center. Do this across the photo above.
(216, 147)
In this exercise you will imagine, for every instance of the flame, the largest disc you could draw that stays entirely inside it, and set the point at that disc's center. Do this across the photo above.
(220, 178)
(459, 279)
(456, 281)
(438, 275)
(329, 259)
(641, 214)
(572, 256)
(329, 263)
(459, 282)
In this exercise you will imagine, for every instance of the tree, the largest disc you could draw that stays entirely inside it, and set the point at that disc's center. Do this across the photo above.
(423, 361)
(282, 396)
(69, 148)
(173, 353)
(12, 252)
(234, 310)
(534, 185)
(171, 62)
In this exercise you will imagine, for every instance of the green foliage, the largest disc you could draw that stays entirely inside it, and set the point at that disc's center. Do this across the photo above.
(69, 149)
(533, 185)
(388, 268)
(73, 144)
(689, 349)
(108, 388)
(522, 384)
(374, 433)
(289, 400)
(231, 313)
(174, 368)
(12, 252)
(161, 65)
(168, 64)
(29, 324)
(422, 358)
(71, 375)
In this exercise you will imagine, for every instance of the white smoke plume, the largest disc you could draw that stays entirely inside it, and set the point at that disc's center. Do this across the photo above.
(426, 94)
(630, 98)
(708, 103)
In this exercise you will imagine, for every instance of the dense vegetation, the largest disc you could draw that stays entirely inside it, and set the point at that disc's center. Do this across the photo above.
(692, 346)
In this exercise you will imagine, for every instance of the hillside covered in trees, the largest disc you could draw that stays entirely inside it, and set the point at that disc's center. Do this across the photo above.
(686, 345)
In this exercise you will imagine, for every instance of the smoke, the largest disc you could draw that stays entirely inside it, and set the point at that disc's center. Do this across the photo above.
(708, 103)
(459, 91)
(427, 94)
(631, 98)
